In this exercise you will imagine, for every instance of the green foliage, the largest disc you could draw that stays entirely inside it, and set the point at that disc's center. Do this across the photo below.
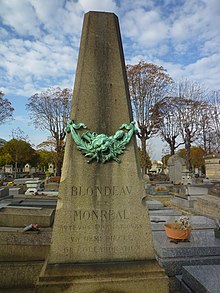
(197, 156)
(18, 151)
(45, 158)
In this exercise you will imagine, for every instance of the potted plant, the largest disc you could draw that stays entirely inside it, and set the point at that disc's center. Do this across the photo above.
(217, 229)
(180, 229)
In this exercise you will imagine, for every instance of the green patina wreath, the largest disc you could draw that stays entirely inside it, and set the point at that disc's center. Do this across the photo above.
(101, 147)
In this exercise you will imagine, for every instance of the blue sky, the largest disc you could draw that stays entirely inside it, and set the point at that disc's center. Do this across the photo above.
(40, 41)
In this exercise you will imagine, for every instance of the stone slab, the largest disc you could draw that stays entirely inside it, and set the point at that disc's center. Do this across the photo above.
(15, 191)
(184, 202)
(17, 276)
(202, 243)
(117, 277)
(18, 217)
(208, 205)
(33, 202)
(165, 212)
(202, 279)
(198, 222)
(15, 245)
(203, 248)
(174, 266)
(4, 192)
(194, 190)
(153, 204)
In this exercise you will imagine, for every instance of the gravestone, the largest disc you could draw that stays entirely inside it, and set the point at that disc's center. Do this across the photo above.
(102, 239)
(177, 167)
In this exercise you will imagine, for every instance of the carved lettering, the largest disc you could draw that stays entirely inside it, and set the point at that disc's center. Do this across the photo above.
(102, 249)
(102, 215)
(98, 191)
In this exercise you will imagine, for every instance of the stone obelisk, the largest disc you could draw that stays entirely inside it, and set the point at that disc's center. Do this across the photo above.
(101, 238)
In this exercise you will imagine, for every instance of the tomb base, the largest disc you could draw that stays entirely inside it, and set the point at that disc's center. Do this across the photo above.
(114, 277)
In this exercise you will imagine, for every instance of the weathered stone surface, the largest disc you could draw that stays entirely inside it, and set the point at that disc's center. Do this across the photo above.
(99, 206)
(202, 279)
(21, 217)
(111, 277)
(102, 239)
(15, 245)
(208, 205)
(19, 275)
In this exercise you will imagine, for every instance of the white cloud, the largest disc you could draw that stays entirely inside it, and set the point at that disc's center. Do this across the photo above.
(97, 5)
(20, 16)
(146, 27)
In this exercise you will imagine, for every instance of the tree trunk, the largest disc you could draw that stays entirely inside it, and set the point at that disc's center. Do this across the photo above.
(59, 163)
(188, 156)
(144, 155)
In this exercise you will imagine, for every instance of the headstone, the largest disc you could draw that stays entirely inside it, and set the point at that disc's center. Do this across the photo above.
(101, 240)
(177, 167)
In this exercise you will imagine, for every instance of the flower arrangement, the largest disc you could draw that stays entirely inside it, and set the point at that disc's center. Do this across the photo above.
(183, 223)
(180, 229)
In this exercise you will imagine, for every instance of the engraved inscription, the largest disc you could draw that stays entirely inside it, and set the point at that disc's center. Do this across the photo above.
(101, 249)
(102, 215)
(101, 190)
(105, 227)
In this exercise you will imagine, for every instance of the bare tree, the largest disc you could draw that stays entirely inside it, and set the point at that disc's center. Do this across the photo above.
(19, 134)
(49, 110)
(6, 110)
(169, 124)
(215, 115)
(148, 85)
(189, 105)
